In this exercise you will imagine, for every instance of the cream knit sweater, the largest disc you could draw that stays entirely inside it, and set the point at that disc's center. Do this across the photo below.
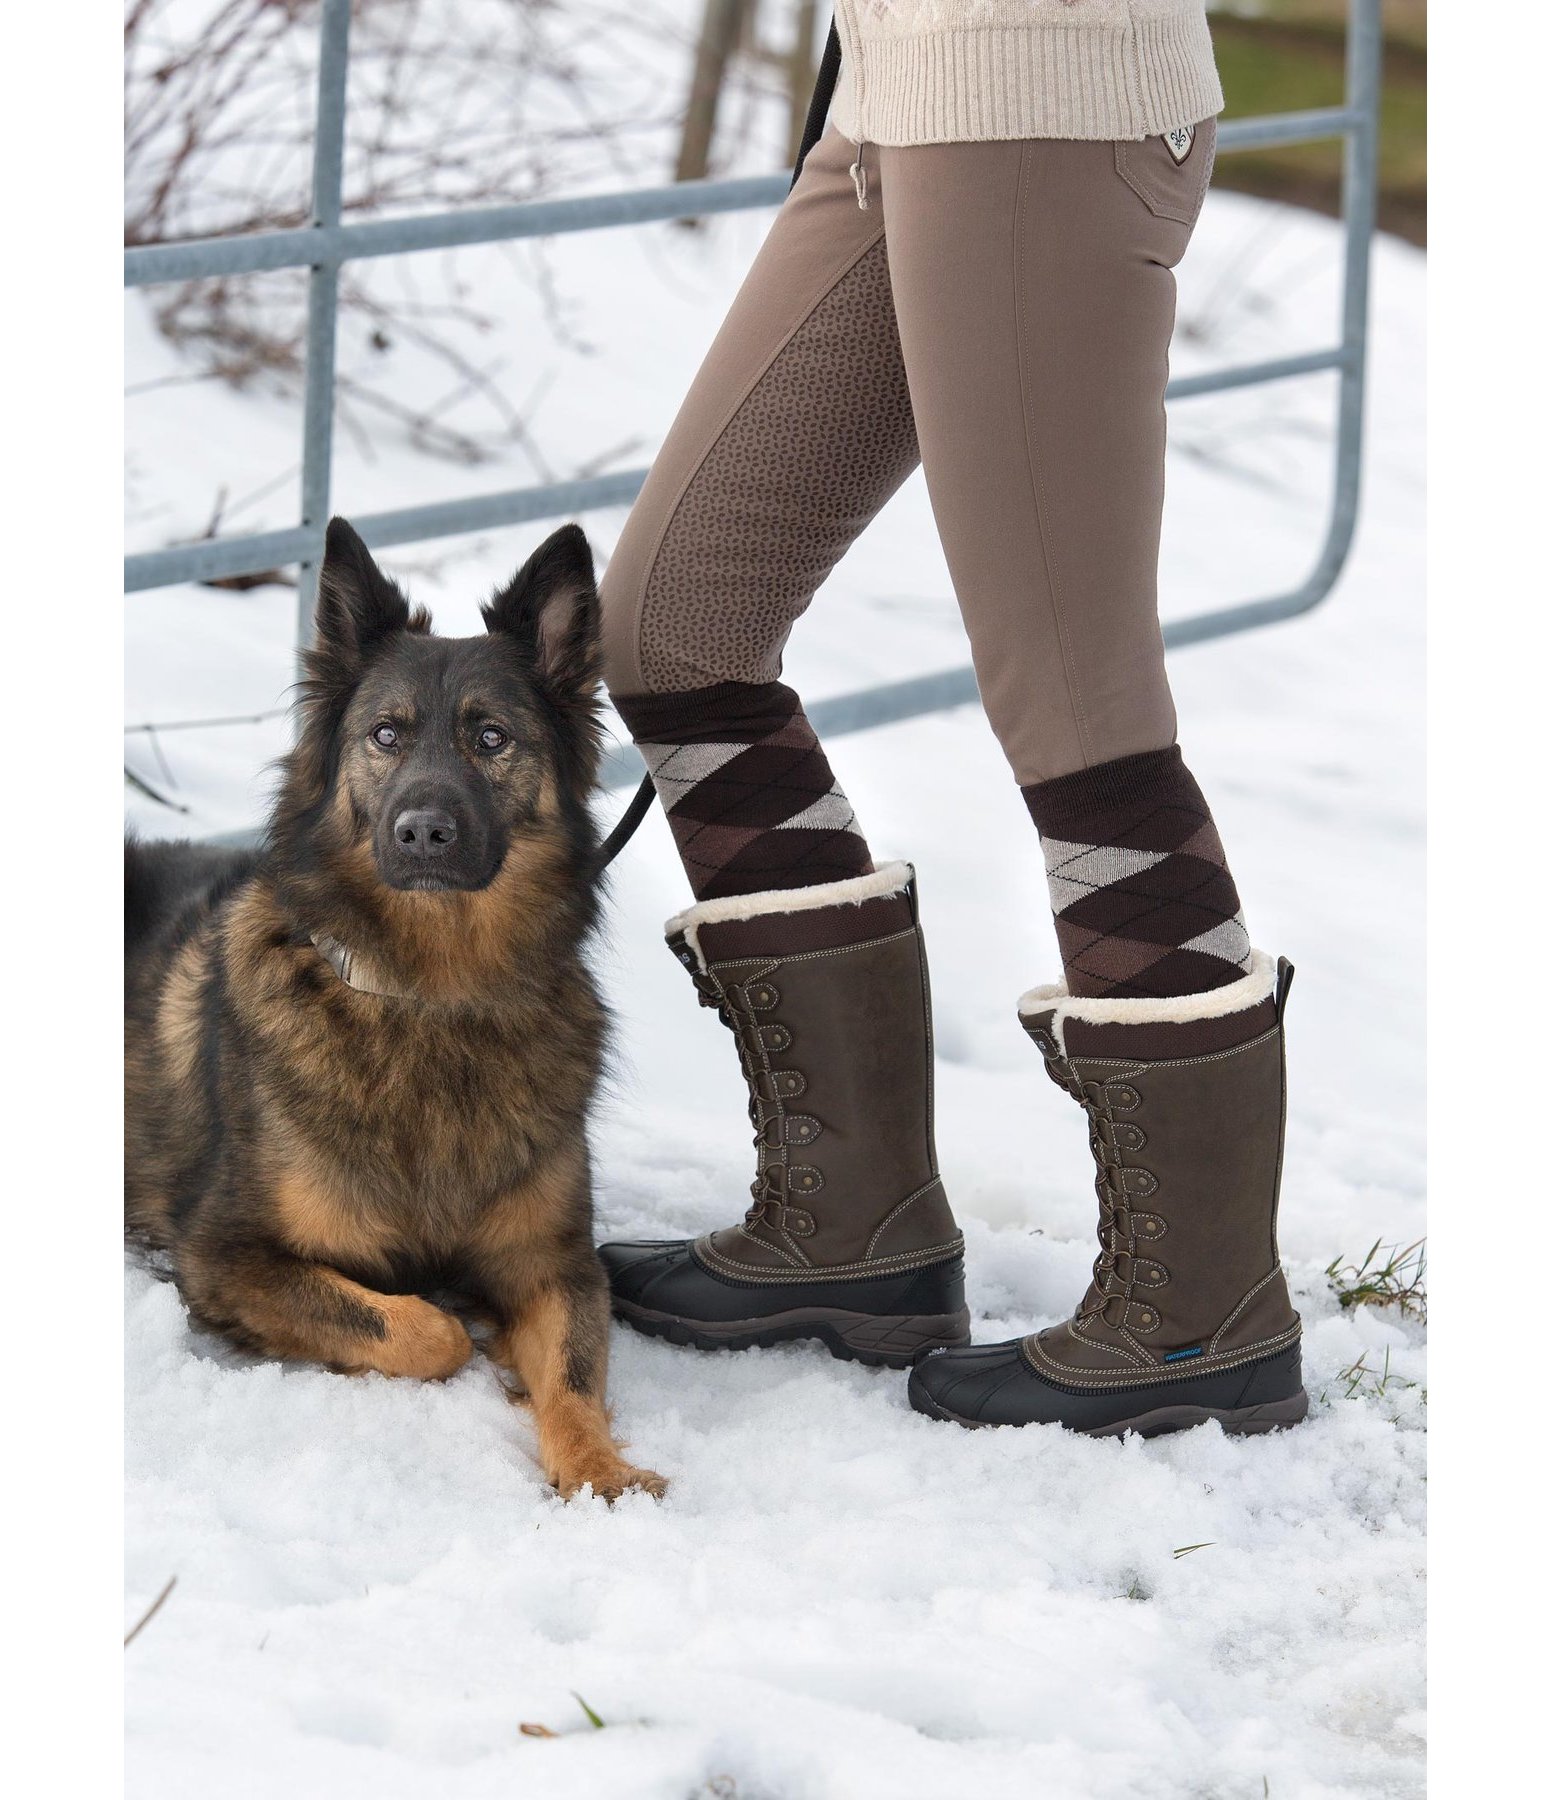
(963, 71)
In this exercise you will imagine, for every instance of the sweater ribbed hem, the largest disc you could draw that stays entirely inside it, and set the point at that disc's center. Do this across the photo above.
(1033, 81)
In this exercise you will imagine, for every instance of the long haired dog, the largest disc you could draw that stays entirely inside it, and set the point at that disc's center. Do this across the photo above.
(360, 1060)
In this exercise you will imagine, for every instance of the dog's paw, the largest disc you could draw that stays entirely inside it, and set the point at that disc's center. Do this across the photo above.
(610, 1480)
(645, 1481)
(421, 1340)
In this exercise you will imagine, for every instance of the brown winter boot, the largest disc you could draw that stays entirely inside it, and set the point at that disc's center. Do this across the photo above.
(850, 1238)
(1187, 1317)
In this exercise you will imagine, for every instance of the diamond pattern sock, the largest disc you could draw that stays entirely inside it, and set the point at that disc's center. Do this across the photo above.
(746, 787)
(1144, 905)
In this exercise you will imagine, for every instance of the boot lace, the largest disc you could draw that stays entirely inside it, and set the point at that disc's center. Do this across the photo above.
(738, 1005)
(1117, 1271)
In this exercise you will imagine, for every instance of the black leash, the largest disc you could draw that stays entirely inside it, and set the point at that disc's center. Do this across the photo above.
(629, 822)
(823, 94)
(817, 118)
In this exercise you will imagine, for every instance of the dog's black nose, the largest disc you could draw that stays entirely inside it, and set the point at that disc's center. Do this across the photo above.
(425, 833)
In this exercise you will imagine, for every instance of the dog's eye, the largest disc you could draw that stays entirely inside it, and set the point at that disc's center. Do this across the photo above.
(493, 738)
(384, 736)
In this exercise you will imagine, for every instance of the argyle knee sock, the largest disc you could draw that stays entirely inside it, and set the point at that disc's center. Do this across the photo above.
(746, 788)
(1144, 904)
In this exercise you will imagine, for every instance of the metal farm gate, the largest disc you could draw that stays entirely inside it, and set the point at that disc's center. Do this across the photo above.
(325, 245)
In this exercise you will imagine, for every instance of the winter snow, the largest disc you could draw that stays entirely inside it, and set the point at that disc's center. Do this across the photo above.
(840, 1599)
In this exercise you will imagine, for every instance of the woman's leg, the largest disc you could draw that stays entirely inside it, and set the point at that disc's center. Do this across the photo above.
(796, 431)
(1034, 289)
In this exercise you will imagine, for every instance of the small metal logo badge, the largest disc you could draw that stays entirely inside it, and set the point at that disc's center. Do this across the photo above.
(1180, 141)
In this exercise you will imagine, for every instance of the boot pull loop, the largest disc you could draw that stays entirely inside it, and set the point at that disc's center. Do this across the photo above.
(912, 894)
(1041, 1028)
(1284, 974)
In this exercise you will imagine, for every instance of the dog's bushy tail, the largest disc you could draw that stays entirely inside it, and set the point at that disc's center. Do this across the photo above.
(163, 880)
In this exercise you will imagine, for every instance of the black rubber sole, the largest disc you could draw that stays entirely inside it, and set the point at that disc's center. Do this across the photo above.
(1156, 1421)
(882, 1341)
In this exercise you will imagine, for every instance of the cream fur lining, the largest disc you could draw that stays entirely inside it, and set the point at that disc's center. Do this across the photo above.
(1259, 984)
(891, 878)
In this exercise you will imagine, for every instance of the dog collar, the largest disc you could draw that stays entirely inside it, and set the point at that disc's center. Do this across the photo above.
(350, 969)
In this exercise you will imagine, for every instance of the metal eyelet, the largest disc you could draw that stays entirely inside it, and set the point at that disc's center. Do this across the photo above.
(1120, 1096)
(800, 1129)
(774, 1037)
(801, 1180)
(761, 996)
(1141, 1183)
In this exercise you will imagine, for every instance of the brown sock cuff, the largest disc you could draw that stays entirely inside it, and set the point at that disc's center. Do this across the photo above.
(729, 709)
(1086, 801)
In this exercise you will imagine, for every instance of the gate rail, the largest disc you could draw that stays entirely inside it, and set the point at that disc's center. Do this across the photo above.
(325, 245)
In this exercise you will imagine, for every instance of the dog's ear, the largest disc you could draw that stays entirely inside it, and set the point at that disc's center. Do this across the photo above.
(550, 607)
(357, 604)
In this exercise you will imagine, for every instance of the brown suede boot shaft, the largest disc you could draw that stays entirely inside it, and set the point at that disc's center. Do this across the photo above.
(831, 1010)
(1187, 1131)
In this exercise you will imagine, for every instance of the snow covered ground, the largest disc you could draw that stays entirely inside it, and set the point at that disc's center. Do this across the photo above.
(840, 1599)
